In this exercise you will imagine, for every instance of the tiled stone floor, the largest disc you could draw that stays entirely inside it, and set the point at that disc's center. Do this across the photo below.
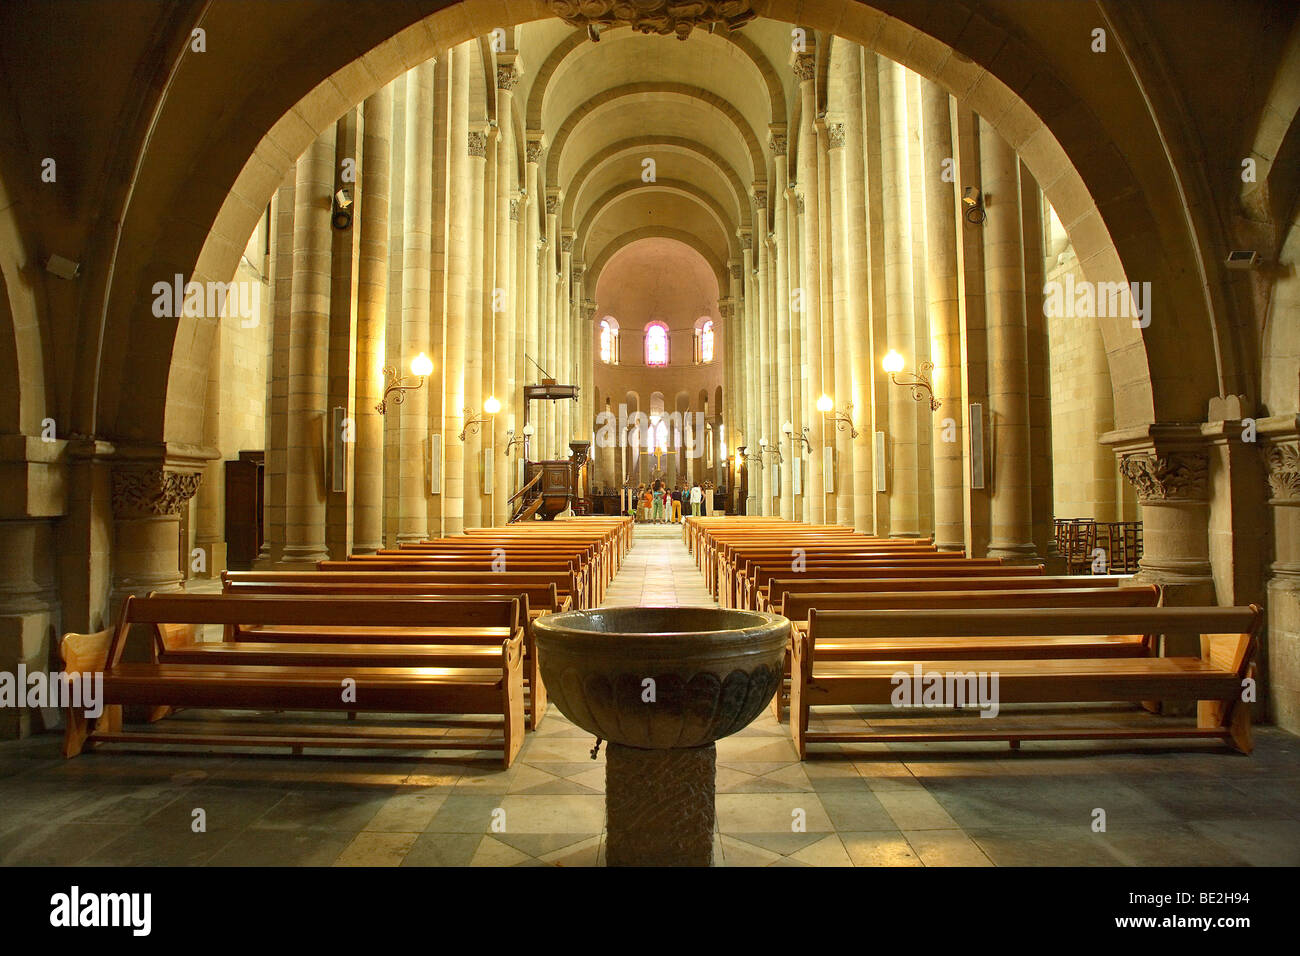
(979, 805)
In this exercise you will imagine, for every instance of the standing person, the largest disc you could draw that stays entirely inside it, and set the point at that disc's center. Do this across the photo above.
(677, 505)
(659, 503)
(697, 497)
(647, 502)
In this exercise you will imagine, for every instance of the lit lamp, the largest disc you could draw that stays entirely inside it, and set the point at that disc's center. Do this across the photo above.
(521, 440)
(918, 383)
(421, 368)
(788, 430)
(490, 408)
(763, 450)
(841, 421)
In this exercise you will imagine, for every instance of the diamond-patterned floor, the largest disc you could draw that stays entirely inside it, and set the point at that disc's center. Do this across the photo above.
(979, 805)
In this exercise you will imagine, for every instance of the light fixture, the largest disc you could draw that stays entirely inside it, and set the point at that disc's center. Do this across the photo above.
(788, 430)
(421, 368)
(841, 421)
(521, 440)
(918, 383)
(62, 267)
(490, 408)
(973, 200)
(763, 449)
(341, 216)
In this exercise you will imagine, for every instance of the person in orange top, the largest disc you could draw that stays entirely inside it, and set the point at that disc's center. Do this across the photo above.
(647, 502)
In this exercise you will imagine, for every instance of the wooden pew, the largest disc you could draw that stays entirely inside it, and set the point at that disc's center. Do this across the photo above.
(534, 601)
(575, 581)
(1214, 680)
(773, 597)
(758, 579)
(474, 674)
(798, 606)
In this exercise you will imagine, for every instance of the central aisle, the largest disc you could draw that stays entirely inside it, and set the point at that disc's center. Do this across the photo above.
(658, 571)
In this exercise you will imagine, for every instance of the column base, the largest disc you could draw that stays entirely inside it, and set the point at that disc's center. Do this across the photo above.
(1015, 553)
(659, 806)
(300, 559)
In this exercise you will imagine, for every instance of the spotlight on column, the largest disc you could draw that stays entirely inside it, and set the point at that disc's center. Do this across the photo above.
(63, 268)
(342, 215)
(973, 200)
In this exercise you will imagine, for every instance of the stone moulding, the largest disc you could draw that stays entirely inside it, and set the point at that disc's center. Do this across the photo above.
(150, 492)
(663, 17)
(1176, 475)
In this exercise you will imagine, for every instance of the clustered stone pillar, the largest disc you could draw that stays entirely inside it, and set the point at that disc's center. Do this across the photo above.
(417, 246)
(304, 531)
(1004, 296)
(1282, 458)
(945, 318)
(814, 489)
(372, 299)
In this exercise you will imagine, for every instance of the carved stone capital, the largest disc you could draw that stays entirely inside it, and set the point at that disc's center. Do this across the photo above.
(835, 136)
(805, 67)
(760, 198)
(737, 272)
(777, 143)
(552, 204)
(1283, 462)
(514, 210)
(533, 151)
(1179, 475)
(507, 77)
(145, 492)
(746, 241)
(799, 202)
(566, 243)
(662, 17)
(575, 276)
(477, 144)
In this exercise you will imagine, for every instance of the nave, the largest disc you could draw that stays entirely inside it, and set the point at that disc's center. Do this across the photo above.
(862, 805)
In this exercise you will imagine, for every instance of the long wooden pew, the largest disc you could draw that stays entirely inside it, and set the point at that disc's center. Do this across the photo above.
(1215, 679)
(798, 607)
(534, 600)
(761, 577)
(773, 597)
(481, 674)
(576, 581)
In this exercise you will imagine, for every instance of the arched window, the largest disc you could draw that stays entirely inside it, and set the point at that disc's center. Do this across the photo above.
(608, 342)
(706, 342)
(656, 344)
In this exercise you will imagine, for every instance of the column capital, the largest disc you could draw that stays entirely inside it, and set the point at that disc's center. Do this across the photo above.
(477, 142)
(536, 145)
(746, 238)
(1163, 461)
(804, 66)
(737, 271)
(834, 135)
(142, 490)
(514, 208)
(566, 241)
(760, 197)
(507, 76)
(777, 141)
(553, 200)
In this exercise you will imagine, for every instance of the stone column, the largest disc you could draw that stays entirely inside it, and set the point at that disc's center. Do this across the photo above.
(277, 378)
(1282, 457)
(842, 325)
(309, 353)
(372, 300)
(546, 292)
(1004, 295)
(814, 487)
(30, 619)
(857, 256)
(945, 317)
(456, 330)
(148, 499)
(795, 371)
(779, 348)
(504, 312)
(210, 533)
(417, 249)
(536, 446)
(473, 380)
(900, 322)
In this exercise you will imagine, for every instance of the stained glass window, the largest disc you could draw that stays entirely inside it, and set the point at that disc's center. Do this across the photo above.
(656, 344)
(706, 342)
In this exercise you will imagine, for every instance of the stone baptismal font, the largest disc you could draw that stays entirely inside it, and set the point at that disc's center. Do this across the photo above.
(660, 685)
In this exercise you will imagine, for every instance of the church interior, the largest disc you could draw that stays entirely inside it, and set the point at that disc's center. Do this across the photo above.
(737, 432)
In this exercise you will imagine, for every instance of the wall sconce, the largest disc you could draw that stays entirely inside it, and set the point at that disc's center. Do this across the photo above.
(522, 439)
(763, 450)
(490, 408)
(826, 404)
(421, 368)
(973, 200)
(341, 216)
(920, 382)
(788, 430)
